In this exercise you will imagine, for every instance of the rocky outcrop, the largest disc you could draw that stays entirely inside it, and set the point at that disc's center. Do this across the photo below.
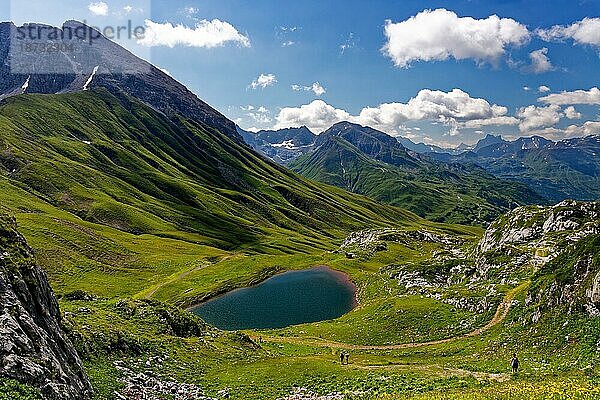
(145, 386)
(571, 280)
(558, 246)
(594, 291)
(368, 242)
(593, 296)
(299, 393)
(34, 349)
(532, 236)
(535, 223)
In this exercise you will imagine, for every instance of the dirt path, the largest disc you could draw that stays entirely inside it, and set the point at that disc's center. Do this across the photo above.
(499, 316)
(147, 294)
(177, 278)
(437, 370)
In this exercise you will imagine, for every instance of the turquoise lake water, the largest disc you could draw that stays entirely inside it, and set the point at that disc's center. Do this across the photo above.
(291, 298)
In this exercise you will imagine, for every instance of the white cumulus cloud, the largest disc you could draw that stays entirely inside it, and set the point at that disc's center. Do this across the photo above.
(456, 108)
(317, 116)
(448, 107)
(586, 32)
(543, 89)
(316, 88)
(437, 35)
(206, 34)
(572, 113)
(585, 129)
(533, 117)
(540, 62)
(493, 121)
(263, 81)
(99, 8)
(591, 96)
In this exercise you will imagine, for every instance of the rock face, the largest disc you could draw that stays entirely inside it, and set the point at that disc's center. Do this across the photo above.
(33, 347)
(594, 291)
(558, 245)
(525, 224)
(534, 235)
(571, 280)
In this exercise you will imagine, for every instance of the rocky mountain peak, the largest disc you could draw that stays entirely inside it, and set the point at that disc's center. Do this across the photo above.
(85, 60)
(488, 141)
(372, 142)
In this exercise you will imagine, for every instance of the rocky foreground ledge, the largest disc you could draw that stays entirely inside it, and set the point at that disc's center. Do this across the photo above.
(34, 350)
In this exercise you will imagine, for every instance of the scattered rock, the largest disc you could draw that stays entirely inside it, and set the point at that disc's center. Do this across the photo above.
(305, 394)
(145, 386)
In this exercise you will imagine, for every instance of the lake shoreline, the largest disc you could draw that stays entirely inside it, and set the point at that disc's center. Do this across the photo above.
(284, 299)
(218, 294)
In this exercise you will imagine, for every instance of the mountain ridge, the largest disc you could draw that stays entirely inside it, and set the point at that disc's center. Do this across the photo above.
(367, 161)
(553, 170)
(105, 64)
(569, 168)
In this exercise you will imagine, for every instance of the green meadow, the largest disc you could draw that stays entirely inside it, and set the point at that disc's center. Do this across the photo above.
(134, 228)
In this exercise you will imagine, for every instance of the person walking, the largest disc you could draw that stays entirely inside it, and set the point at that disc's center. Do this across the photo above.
(347, 358)
(342, 357)
(514, 363)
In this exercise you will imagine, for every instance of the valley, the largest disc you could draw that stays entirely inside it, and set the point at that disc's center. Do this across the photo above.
(126, 203)
(416, 330)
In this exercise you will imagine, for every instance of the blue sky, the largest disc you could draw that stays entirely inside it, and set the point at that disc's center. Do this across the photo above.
(338, 44)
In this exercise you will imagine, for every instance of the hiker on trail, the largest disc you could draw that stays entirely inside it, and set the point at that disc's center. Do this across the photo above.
(347, 358)
(514, 364)
(342, 356)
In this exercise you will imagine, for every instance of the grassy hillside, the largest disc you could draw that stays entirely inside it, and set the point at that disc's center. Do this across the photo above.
(119, 163)
(109, 192)
(135, 215)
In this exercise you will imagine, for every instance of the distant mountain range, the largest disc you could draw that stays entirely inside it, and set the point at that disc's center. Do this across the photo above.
(553, 171)
(364, 160)
(568, 169)
(427, 148)
(285, 145)
(282, 146)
